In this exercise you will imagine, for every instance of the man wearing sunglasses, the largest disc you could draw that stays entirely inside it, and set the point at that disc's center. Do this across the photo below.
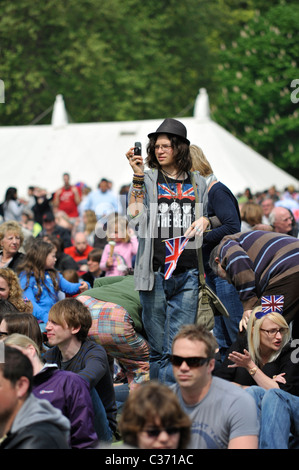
(222, 414)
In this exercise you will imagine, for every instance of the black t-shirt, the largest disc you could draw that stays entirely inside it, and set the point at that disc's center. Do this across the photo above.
(176, 212)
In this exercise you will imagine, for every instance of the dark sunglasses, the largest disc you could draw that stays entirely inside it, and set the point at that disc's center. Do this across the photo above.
(2, 333)
(190, 361)
(155, 432)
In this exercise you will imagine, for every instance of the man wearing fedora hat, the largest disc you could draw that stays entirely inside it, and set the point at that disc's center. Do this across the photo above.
(162, 205)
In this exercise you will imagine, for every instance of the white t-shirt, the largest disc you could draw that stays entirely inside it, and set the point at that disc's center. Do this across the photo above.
(226, 412)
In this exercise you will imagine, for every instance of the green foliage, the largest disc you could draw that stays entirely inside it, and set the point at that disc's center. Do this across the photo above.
(128, 60)
(111, 60)
(254, 86)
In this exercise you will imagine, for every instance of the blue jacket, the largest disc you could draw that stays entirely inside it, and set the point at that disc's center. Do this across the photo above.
(48, 296)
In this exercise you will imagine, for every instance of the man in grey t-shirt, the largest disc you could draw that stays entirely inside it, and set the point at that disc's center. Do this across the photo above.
(223, 415)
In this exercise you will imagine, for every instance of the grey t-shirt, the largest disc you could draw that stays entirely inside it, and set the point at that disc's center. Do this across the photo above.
(226, 412)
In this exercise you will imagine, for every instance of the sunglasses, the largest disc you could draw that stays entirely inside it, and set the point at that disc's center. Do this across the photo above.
(2, 333)
(155, 432)
(190, 361)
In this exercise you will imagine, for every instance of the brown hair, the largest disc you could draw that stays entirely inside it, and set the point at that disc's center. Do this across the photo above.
(198, 333)
(147, 403)
(24, 324)
(72, 312)
(34, 265)
(181, 153)
(251, 212)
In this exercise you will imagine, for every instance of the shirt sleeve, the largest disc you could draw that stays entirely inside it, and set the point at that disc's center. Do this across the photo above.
(95, 366)
(242, 415)
(240, 270)
(29, 293)
(67, 287)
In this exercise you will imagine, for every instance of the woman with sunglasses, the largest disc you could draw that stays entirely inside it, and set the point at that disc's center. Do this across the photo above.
(263, 355)
(152, 418)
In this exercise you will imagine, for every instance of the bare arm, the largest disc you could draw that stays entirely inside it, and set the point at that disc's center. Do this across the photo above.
(243, 442)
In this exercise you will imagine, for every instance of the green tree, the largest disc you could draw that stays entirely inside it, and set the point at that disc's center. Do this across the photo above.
(111, 60)
(254, 78)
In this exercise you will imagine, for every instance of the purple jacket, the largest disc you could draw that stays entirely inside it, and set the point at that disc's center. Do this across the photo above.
(70, 393)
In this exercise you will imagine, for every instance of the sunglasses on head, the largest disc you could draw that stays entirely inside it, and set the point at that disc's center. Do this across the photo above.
(155, 432)
(190, 361)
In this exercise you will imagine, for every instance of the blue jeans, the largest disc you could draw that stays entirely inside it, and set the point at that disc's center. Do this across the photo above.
(278, 412)
(101, 422)
(171, 304)
(226, 329)
(121, 394)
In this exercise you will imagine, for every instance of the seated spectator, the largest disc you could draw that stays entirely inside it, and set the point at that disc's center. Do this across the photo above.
(152, 418)
(11, 290)
(279, 418)
(115, 309)
(282, 220)
(223, 416)
(65, 390)
(251, 215)
(93, 265)
(6, 307)
(79, 251)
(119, 253)
(50, 227)
(41, 282)
(263, 355)
(87, 225)
(11, 239)
(62, 219)
(23, 324)
(67, 330)
(63, 261)
(27, 422)
(267, 204)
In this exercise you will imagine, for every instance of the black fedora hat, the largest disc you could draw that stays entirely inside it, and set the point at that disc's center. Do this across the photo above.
(173, 127)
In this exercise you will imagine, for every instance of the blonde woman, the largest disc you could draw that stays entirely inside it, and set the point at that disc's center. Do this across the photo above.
(262, 356)
(11, 239)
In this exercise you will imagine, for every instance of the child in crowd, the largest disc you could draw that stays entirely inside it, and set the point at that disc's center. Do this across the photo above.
(41, 282)
(118, 254)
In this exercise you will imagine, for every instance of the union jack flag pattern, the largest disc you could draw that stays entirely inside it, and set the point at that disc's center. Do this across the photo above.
(271, 303)
(174, 248)
(180, 193)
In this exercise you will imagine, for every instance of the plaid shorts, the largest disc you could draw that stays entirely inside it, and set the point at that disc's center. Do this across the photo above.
(113, 328)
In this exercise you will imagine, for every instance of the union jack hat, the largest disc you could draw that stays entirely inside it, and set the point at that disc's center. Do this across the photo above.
(271, 303)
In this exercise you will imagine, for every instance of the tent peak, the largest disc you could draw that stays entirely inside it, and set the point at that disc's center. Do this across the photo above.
(59, 115)
(202, 106)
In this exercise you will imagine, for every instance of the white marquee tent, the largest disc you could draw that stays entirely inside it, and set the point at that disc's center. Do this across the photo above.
(38, 155)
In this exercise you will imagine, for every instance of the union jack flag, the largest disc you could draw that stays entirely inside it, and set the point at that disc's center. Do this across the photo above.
(271, 303)
(181, 192)
(174, 248)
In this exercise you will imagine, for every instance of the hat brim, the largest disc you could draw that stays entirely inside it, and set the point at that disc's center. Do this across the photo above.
(154, 134)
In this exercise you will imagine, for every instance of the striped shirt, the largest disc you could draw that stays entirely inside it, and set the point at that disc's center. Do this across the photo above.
(256, 260)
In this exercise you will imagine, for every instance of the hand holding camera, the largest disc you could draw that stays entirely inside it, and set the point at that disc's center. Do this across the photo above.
(135, 158)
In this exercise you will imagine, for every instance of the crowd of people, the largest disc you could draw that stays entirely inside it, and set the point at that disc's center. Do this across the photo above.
(98, 324)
